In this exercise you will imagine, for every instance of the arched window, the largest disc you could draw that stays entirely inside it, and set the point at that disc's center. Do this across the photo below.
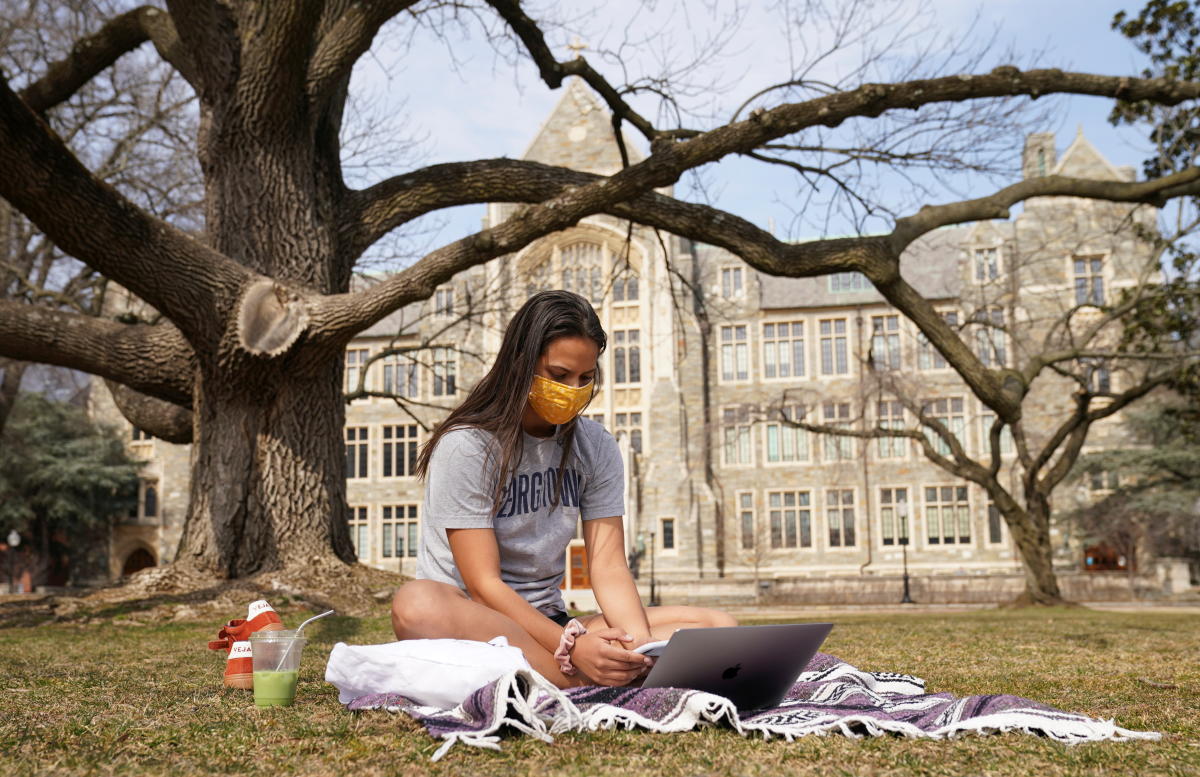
(582, 270)
(631, 288)
(149, 499)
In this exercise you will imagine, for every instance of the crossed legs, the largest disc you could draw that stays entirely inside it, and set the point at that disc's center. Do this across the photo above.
(426, 609)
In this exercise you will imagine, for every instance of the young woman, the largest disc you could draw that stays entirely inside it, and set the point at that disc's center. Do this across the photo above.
(507, 477)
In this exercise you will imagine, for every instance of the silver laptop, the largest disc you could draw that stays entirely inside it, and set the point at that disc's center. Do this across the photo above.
(753, 666)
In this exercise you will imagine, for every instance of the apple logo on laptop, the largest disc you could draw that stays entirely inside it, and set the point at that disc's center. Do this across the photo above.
(731, 672)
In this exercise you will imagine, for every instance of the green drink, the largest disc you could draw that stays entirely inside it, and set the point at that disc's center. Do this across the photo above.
(274, 689)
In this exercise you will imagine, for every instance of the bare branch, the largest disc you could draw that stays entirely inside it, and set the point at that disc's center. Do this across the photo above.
(154, 360)
(553, 72)
(173, 272)
(165, 420)
(347, 39)
(93, 54)
(996, 206)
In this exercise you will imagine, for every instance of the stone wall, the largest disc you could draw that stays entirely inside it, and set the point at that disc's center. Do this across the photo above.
(887, 590)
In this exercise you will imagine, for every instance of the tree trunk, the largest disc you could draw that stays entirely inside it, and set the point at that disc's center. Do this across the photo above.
(268, 486)
(10, 385)
(268, 489)
(1030, 529)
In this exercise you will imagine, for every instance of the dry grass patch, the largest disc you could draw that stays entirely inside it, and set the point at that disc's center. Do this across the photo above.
(108, 698)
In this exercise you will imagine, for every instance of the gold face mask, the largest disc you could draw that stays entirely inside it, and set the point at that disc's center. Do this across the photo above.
(557, 402)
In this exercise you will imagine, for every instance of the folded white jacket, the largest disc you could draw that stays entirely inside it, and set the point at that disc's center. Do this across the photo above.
(433, 672)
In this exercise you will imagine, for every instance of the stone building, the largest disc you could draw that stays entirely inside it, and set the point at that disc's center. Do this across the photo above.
(706, 360)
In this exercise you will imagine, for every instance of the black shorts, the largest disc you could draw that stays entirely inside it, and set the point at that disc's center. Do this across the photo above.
(561, 618)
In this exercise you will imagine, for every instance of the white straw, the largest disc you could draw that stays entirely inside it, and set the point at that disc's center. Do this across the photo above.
(296, 637)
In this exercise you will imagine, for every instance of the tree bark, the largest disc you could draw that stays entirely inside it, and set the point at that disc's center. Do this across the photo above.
(268, 488)
(10, 386)
(1030, 529)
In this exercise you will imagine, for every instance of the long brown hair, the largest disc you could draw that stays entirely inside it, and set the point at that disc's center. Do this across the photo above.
(497, 403)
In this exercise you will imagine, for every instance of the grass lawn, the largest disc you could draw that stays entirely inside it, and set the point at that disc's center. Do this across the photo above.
(115, 698)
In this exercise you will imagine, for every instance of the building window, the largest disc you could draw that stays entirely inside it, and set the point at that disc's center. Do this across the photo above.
(783, 349)
(356, 360)
(839, 513)
(399, 531)
(731, 282)
(837, 447)
(787, 443)
(359, 532)
(1089, 280)
(668, 533)
(893, 516)
(890, 415)
(630, 424)
(625, 287)
(444, 302)
(790, 518)
(947, 515)
(445, 368)
(400, 376)
(357, 444)
(1103, 480)
(746, 518)
(735, 422)
(139, 435)
(885, 342)
(581, 271)
(986, 420)
(627, 356)
(995, 521)
(147, 504)
(735, 353)
(1097, 376)
(835, 358)
(597, 417)
(987, 264)
(848, 281)
(949, 411)
(928, 357)
(989, 337)
(400, 451)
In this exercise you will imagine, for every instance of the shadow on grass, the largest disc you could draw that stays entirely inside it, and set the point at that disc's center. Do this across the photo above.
(36, 610)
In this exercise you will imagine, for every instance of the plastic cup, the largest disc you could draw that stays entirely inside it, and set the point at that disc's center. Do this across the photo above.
(276, 659)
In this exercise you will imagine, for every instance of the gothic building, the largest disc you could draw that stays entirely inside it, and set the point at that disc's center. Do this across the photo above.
(707, 360)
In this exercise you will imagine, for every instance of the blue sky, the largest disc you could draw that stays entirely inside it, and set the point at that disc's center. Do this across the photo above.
(465, 101)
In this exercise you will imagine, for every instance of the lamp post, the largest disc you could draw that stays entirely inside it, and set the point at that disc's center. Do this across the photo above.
(14, 539)
(653, 591)
(906, 599)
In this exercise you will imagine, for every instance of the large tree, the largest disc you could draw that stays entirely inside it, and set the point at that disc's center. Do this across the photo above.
(255, 315)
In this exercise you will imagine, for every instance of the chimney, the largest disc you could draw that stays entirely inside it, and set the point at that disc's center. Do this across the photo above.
(1039, 156)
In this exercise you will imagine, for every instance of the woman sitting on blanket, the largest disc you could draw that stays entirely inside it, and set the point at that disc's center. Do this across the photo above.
(508, 476)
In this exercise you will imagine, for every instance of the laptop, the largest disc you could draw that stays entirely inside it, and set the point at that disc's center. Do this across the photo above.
(752, 666)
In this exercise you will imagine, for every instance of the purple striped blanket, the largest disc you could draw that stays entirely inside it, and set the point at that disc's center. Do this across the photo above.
(830, 696)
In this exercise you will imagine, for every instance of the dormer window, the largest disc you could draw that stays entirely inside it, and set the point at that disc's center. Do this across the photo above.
(987, 264)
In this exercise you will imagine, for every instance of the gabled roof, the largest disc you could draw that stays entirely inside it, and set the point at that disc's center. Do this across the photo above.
(931, 264)
(1082, 160)
(578, 134)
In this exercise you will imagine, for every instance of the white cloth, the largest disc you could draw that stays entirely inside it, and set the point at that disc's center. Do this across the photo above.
(432, 672)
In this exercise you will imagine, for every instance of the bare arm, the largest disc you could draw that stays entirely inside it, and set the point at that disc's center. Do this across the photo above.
(477, 557)
(478, 560)
(612, 582)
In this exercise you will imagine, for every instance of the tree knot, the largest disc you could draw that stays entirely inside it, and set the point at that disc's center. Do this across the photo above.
(270, 318)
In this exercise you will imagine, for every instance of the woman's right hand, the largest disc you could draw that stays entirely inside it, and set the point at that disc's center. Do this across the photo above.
(601, 656)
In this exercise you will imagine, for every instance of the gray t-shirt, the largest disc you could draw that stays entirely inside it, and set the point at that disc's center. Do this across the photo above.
(531, 532)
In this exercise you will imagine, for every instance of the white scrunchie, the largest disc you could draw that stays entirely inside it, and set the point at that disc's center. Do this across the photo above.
(572, 630)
